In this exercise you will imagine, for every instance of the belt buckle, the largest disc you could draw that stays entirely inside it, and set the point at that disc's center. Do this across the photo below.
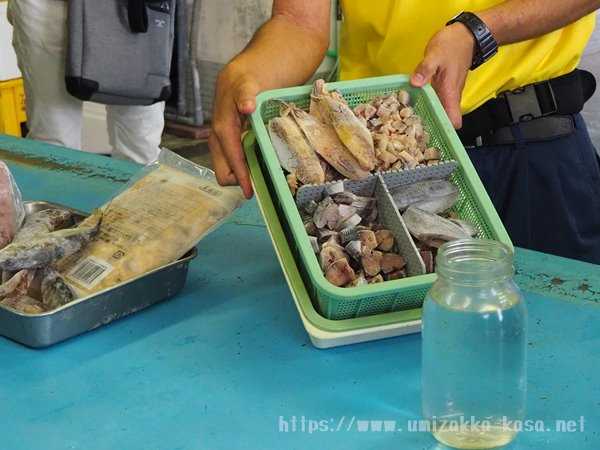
(523, 103)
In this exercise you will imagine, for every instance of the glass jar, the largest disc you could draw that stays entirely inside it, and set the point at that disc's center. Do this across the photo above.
(474, 347)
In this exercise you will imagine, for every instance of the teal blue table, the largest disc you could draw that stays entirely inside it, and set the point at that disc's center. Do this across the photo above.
(227, 364)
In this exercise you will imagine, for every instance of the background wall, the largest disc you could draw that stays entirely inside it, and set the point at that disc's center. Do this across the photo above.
(8, 60)
(591, 62)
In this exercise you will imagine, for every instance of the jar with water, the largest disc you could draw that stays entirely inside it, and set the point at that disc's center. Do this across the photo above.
(474, 342)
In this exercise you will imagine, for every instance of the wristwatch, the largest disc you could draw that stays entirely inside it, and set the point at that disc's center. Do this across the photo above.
(485, 44)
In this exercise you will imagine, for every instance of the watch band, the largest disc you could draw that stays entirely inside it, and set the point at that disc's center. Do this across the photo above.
(485, 44)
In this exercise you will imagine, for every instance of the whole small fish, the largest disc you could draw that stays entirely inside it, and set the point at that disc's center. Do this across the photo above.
(45, 249)
(42, 222)
(294, 152)
(434, 196)
(431, 228)
(351, 131)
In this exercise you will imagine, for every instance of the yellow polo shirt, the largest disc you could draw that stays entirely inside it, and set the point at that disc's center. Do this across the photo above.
(383, 37)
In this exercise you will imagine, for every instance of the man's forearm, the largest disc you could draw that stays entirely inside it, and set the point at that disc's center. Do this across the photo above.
(519, 20)
(282, 53)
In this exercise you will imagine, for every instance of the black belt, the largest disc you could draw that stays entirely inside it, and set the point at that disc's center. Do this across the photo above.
(536, 107)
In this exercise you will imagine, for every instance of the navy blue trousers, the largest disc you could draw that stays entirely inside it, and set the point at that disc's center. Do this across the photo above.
(546, 192)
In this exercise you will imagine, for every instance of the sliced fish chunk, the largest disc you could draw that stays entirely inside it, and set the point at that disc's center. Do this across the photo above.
(45, 249)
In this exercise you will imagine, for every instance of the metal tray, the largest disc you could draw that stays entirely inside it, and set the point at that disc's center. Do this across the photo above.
(88, 313)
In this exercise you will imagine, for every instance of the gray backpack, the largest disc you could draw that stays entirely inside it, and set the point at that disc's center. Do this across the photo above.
(119, 51)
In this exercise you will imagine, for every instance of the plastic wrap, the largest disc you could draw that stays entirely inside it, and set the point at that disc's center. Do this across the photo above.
(161, 215)
(12, 212)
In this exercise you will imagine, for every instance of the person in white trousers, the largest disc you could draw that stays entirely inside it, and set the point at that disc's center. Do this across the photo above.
(53, 115)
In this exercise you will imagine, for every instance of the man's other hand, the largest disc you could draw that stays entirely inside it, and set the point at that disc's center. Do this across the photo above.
(448, 58)
(235, 98)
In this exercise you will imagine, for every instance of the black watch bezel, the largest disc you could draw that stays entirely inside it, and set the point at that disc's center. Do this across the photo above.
(485, 43)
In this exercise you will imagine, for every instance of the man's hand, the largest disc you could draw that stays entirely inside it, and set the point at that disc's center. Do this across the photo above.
(285, 51)
(448, 57)
(449, 53)
(235, 98)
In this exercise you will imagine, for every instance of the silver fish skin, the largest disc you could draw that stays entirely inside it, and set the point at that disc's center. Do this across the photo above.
(39, 223)
(348, 234)
(467, 226)
(434, 196)
(55, 292)
(311, 207)
(437, 205)
(350, 222)
(354, 249)
(314, 243)
(45, 249)
(344, 198)
(430, 228)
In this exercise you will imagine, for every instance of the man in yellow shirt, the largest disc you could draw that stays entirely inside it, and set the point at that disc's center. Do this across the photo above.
(505, 72)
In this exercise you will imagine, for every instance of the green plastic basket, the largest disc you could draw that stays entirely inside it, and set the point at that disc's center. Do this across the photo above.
(398, 295)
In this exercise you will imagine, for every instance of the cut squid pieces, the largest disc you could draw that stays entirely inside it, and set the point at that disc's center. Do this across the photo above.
(326, 143)
(353, 133)
(294, 152)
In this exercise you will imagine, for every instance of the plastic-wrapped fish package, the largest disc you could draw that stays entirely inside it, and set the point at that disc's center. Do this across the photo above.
(160, 215)
(12, 211)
